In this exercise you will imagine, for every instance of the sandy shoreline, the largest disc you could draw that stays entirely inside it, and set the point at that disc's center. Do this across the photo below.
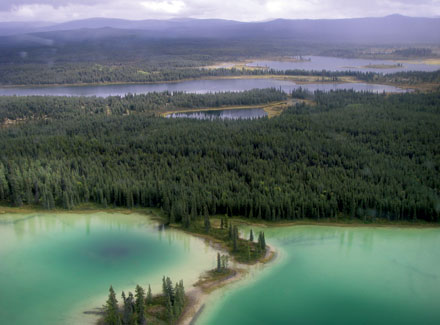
(199, 293)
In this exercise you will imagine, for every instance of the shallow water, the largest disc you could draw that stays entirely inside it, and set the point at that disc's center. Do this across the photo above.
(331, 275)
(193, 86)
(226, 114)
(319, 63)
(56, 266)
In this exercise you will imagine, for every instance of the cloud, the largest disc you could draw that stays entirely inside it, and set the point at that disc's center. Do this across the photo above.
(245, 10)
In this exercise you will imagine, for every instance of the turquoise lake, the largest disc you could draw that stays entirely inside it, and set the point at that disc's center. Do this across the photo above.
(53, 267)
(332, 275)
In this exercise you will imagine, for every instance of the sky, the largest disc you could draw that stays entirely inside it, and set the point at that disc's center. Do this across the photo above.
(242, 10)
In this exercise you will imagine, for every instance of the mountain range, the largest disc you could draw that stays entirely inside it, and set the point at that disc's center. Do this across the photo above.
(393, 29)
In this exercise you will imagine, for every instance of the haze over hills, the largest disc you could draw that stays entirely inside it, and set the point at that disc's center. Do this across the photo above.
(393, 29)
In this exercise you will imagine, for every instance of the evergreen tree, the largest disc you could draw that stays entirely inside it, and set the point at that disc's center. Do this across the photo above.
(111, 309)
(169, 289)
(169, 309)
(219, 264)
(149, 299)
(261, 241)
(140, 305)
(251, 236)
(129, 317)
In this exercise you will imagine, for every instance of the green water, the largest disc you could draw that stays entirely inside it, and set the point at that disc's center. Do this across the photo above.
(54, 267)
(331, 275)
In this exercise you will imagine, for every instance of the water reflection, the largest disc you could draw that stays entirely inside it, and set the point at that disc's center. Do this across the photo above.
(230, 114)
(319, 63)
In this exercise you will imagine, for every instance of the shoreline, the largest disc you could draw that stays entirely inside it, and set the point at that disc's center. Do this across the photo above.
(201, 291)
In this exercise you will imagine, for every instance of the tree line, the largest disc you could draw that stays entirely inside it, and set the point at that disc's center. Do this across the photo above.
(142, 307)
(57, 107)
(352, 155)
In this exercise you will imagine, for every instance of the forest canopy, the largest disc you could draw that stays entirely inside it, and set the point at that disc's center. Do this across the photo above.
(353, 155)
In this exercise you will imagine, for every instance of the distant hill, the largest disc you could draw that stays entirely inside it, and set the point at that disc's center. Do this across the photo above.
(393, 29)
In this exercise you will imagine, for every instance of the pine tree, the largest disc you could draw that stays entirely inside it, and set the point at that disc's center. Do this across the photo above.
(261, 241)
(169, 307)
(128, 317)
(111, 309)
(140, 304)
(251, 236)
(169, 289)
(149, 299)
(219, 264)
(164, 287)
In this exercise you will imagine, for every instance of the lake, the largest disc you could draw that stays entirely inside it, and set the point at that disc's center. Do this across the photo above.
(56, 266)
(319, 63)
(338, 275)
(192, 86)
(226, 114)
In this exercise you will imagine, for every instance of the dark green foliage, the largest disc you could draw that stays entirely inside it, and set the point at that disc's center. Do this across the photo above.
(149, 298)
(262, 241)
(360, 155)
(129, 316)
(111, 309)
(219, 262)
(158, 309)
(140, 305)
(47, 107)
(251, 236)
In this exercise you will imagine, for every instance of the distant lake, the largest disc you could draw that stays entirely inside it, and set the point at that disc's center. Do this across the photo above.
(192, 86)
(226, 114)
(319, 63)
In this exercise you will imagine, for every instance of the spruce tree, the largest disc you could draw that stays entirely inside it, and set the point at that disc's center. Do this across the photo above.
(111, 309)
(140, 304)
(169, 308)
(219, 264)
(128, 317)
(169, 289)
(251, 236)
(149, 299)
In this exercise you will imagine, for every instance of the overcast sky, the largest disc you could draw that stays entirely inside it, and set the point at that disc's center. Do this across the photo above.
(243, 10)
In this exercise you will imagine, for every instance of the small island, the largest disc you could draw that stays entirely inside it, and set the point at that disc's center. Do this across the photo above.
(173, 305)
